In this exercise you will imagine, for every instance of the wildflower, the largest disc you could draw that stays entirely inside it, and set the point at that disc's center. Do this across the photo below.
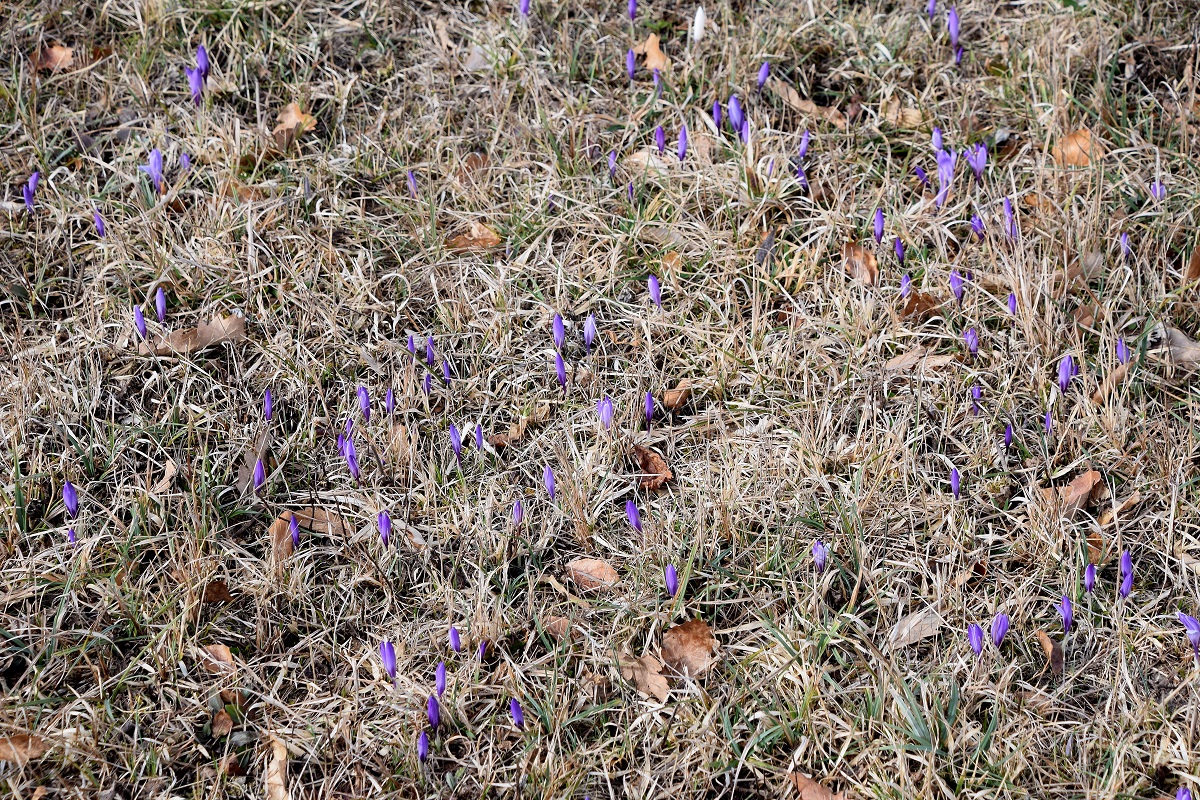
(972, 340)
(518, 716)
(804, 139)
(736, 117)
(1126, 574)
(716, 115)
(195, 79)
(1010, 219)
(412, 184)
(589, 332)
(956, 285)
(202, 60)
(71, 536)
(268, 405)
(70, 499)
(427, 384)
(523, 7)
(604, 408)
(952, 25)
(931, 9)
(154, 169)
(1126, 250)
(260, 475)
(975, 638)
(294, 530)
(922, 176)
(29, 190)
(655, 290)
(612, 163)
(1012, 302)
(977, 160)
(1089, 578)
(649, 408)
(101, 229)
(483, 648)
(1008, 436)
(479, 438)
(999, 629)
(1067, 612)
(518, 513)
(977, 226)
(820, 554)
(1192, 626)
(412, 346)
(433, 711)
(439, 678)
(671, 579)
(352, 461)
(423, 746)
(456, 443)
(446, 374)
(878, 226)
(905, 284)
(631, 513)
(632, 9)
(898, 247)
(745, 132)
(764, 72)
(958, 55)
(660, 139)
(387, 654)
(681, 148)
(976, 393)
(1066, 371)
(385, 527)
(936, 139)
(657, 77)
(946, 160)
(548, 479)
(955, 482)
(1184, 793)
(559, 332)
(1158, 190)
(560, 368)
(1122, 351)
(389, 402)
(1048, 422)
(429, 354)
(185, 162)
(455, 640)
(629, 192)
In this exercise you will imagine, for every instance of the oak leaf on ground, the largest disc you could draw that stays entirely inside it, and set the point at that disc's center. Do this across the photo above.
(860, 263)
(689, 648)
(1074, 496)
(191, 340)
(592, 573)
(645, 674)
(655, 472)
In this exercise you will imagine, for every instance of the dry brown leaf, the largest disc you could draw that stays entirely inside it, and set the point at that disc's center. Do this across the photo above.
(673, 399)
(192, 340)
(918, 357)
(1086, 315)
(217, 658)
(38, 793)
(291, 123)
(860, 263)
(654, 57)
(477, 237)
(645, 674)
(647, 161)
(1192, 274)
(914, 627)
(222, 724)
(1180, 348)
(517, 430)
(812, 790)
(231, 765)
(559, 627)
(217, 592)
(1111, 382)
(792, 98)
(21, 748)
(921, 306)
(473, 163)
(1035, 200)
(689, 648)
(654, 468)
(671, 262)
(55, 58)
(1074, 496)
(1053, 650)
(1110, 514)
(1076, 149)
(277, 771)
(592, 573)
(900, 115)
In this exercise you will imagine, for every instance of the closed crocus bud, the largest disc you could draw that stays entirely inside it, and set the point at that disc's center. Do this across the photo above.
(352, 461)
(139, 321)
(456, 443)
(649, 408)
(433, 711)
(1158, 190)
(559, 331)
(656, 76)
(71, 537)
(681, 148)
(268, 405)
(455, 640)
(745, 132)
(905, 285)
(260, 475)
(632, 9)
(604, 409)
(655, 290)
(523, 7)
(612, 163)
(922, 176)
(1012, 302)
(804, 140)
(385, 527)
(387, 654)
(430, 356)
(764, 72)
(977, 226)
(955, 483)
(931, 9)
(946, 161)
(479, 438)
(1183, 794)
(1048, 422)
(518, 716)
(70, 499)
(294, 530)
(160, 305)
(820, 554)
(736, 117)
(1192, 627)
(518, 514)
(958, 56)
(952, 25)
(412, 346)
(1066, 371)
(629, 192)
(389, 402)
(1126, 574)
(878, 226)
(956, 285)
(560, 369)
(631, 514)
(660, 139)
(976, 393)
(1122, 351)
(101, 229)
(1067, 612)
(439, 678)
(1010, 219)
(630, 64)
(412, 184)
(427, 384)
(589, 332)
(671, 579)
(446, 374)
(548, 480)
(1126, 250)
(195, 79)
(154, 169)
(29, 191)
(936, 139)
(202, 60)
(999, 629)
(483, 648)
(185, 162)
(716, 115)
(898, 248)
(364, 403)
(971, 338)
(975, 638)
(1008, 435)
(1089, 578)
(423, 746)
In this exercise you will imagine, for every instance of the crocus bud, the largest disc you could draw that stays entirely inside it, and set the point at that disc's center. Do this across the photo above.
(29, 191)
(389, 402)
(631, 513)
(649, 408)
(195, 79)
(260, 475)
(294, 530)
(671, 579)
(364, 403)
(456, 443)
(1184, 793)
(352, 461)
(971, 338)
(1122, 351)
(589, 332)
(385, 527)
(427, 384)
(160, 305)
(958, 56)
(412, 184)
(1008, 435)
(560, 369)
(955, 483)
(999, 629)
(931, 9)
(946, 160)
(745, 131)
(660, 139)
(764, 72)
(514, 708)
(1192, 627)
(820, 554)
(479, 438)
(630, 64)
(429, 354)
(1126, 250)
(878, 226)
(518, 514)
(439, 678)
(936, 138)
(523, 7)
(1010, 219)
(975, 638)
(736, 117)
(139, 321)
(548, 480)
(905, 284)
(922, 176)
(412, 346)
(604, 409)
(1012, 302)
(1067, 612)
(898, 247)
(101, 229)
(681, 148)
(629, 192)
(560, 332)
(716, 115)
(804, 140)
(632, 9)
(71, 537)
(387, 654)
(1126, 574)
(977, 226)
(952, 25)
(70, 499)
(1066, 371)
(976, 393)
(1158, 190)
(655, 290)
(185, 162)
(455, 640)
(154, 169)
(423, 746)
(1089, 578)
(433, 711)
(956, 285)
(202, 60)
(483, 648)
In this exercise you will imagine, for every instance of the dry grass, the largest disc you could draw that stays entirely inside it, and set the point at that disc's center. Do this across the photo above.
(795, 431)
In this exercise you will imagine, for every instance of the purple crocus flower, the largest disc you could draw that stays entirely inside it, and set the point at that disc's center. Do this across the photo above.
(1089, 578)
(649, 408)
(1008, 435)
(745, 132)
(671, 579)
(956, 285)
(612, 163)
(1012, 302)
(878, 226)
(71, 537)
(389, 402)
(364, 403)
(931, 9)
(958, 55)
(975, 638)
(999, 629)
(483, 648)
(922, 176)
(946, 160)
(412, 184)
(559, 332)
(660, 139)
(1158, 190)
(514, 709)
(548, 480)
(630, 64)
(523, 7)
(446, 374)
(971, 337)
(202, 60)
(1126, 250)
(479, 437)
(456, 443)
(352, 461)
(629, 192)
(411, 346)
(764, 72)
(804, 140)
(1067, 612)
(820, 554)
(560, 369)
(1122, 351)
(936, 138)
(433, 711)
(423, 746)
(518, 513)
(455, 640)
(716, 115)
(268, 404)
(1192, 627)
(656, 76)
(1048, 422)
(154, 169)
(387, 654)
(898, 247)
(905, 284)
(977, 226)
(427, 384)
(195, 79)
(631, 513)
(604, 408)
(70, 499)
(429, 354)
(655, 290)
(681, 148)
(1010, 219)
(977, 160)
(160, 305)
(1126, 574)
(1066, 371)
(736, 117)
(589, 332)
(185, 162)
(439, 678)
(1184, 793)
(139, 321)
(294, 530)
(632, 9)
(29, 190)
(260, 475)
(101, 229)
(952, 25)
(385, 527)
(976, 393)
(955, 482)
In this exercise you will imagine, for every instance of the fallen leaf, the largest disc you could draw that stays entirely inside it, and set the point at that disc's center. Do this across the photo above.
(654, 468)
(1076, 149)
(38, 793)
(1035, 200)
(1074, 496)
(169, 472)
(900, 115)
(559, 627)
(291, 123)
(1193, 270)
(921, 306)
(192, 340)
(673, 399)
(860, 263)
(473, 163)
(645, 674)
(914, 627)
(592, 573)
(236, 698)
(1188, 560)
(55, 58)
(1110, 514)
(689, 648)
(918, 357)
(1086, 315)
(812, 790)
(231, 765)
(647, 161)
(443, 35)
(792, 98)
(217, 592)
(654, 57)
(1180, 348)
(518, 428)
(217, 658)
(477, 60)
(1053, 650)
(1111, 382)
(222, 724)
(477, 237)
(277, 771)
(22, 747)
(762, 257)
